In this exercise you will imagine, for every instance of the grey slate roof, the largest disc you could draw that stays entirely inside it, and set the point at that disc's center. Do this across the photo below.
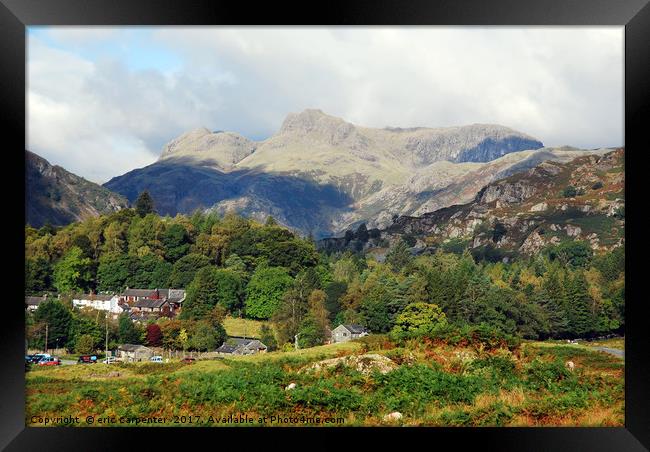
(356, 329)
(225, 348)
(233, 344)
(132, 347)
(149, 303)
(34, 301)
(175, 295)
(87, 296)
(138, 292)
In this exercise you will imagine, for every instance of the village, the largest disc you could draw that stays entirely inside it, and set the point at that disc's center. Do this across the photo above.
(144, 306)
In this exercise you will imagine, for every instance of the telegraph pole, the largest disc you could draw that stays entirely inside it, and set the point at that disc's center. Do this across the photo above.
(46, 338)
(106, 343)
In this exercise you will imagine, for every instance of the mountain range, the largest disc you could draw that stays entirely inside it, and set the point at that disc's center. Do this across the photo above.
(322, 175)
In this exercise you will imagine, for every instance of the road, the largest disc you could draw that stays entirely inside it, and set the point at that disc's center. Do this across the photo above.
(612, 351)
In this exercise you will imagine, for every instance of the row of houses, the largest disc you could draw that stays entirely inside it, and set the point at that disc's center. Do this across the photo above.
(140, 304)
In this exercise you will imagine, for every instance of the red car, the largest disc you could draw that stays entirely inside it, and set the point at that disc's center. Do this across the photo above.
(49, 361)
(188, 360)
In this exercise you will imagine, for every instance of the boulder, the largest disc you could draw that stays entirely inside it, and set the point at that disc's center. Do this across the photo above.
(573, 231)
(392, 417)
(539, 207)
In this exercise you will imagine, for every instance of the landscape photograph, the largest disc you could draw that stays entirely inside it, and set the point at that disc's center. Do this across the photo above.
(324, 226)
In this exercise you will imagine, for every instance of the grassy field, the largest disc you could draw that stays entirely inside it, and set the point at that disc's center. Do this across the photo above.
(235, 326)
(433, 384)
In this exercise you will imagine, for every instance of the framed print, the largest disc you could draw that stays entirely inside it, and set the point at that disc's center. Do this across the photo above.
(381, 215)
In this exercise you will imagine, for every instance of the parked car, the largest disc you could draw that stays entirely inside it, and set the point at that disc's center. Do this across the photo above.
(51, 361)
(35, 358)
(110, 360)
(156, 359)
(87, 359)
(29, 359)
(188, 360)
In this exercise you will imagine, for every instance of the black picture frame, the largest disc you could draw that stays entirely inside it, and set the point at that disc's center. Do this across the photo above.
(15, 15)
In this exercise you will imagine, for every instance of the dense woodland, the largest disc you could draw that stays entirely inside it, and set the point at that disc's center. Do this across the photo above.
(235, 266)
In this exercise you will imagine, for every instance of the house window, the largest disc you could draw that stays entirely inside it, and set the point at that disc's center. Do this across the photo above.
(345, 334)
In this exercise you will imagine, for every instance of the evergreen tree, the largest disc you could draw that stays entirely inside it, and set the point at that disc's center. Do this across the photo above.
(582, 318)
(58, 320)
(212, 287)
(37, 276)
(399, 256)
(144, 204)
(176, 242)
(552, 298)
(362, 233)
(127, 331)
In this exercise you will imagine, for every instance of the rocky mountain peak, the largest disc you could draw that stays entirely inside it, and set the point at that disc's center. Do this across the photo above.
(311, 120)
(220, 149)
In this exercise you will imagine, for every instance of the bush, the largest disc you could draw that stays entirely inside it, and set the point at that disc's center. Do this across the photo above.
(501, 368)
(325, 395)
(375, 342)
(573, 253)
(455, 245)
(545, 375)
(569, 192)
(244, 385)
(409, 388)
(84, 344)
(153, 368)
(477, 335)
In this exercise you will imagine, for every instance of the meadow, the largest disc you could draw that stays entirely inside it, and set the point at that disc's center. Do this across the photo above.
(433, 384)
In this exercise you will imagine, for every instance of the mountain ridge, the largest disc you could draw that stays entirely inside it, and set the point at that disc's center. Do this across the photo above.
(578, 200)
(379, 172)
(57, 196)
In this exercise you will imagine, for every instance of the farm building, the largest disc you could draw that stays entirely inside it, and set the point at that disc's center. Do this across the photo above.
(242, 346)
(133, 352)
(344, 333)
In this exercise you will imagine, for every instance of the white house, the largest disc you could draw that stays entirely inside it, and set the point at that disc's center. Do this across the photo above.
(344, 333)
(100, 302)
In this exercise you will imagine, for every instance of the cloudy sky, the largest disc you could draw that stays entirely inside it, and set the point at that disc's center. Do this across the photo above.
(103, 101)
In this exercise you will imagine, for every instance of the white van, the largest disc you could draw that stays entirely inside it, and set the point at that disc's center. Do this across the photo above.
(156, 359)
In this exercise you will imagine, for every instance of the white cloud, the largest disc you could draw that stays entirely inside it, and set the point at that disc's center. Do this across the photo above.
(98, 117)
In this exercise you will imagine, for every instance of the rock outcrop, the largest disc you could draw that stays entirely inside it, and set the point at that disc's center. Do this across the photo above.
(521, 214)
(365, 364)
